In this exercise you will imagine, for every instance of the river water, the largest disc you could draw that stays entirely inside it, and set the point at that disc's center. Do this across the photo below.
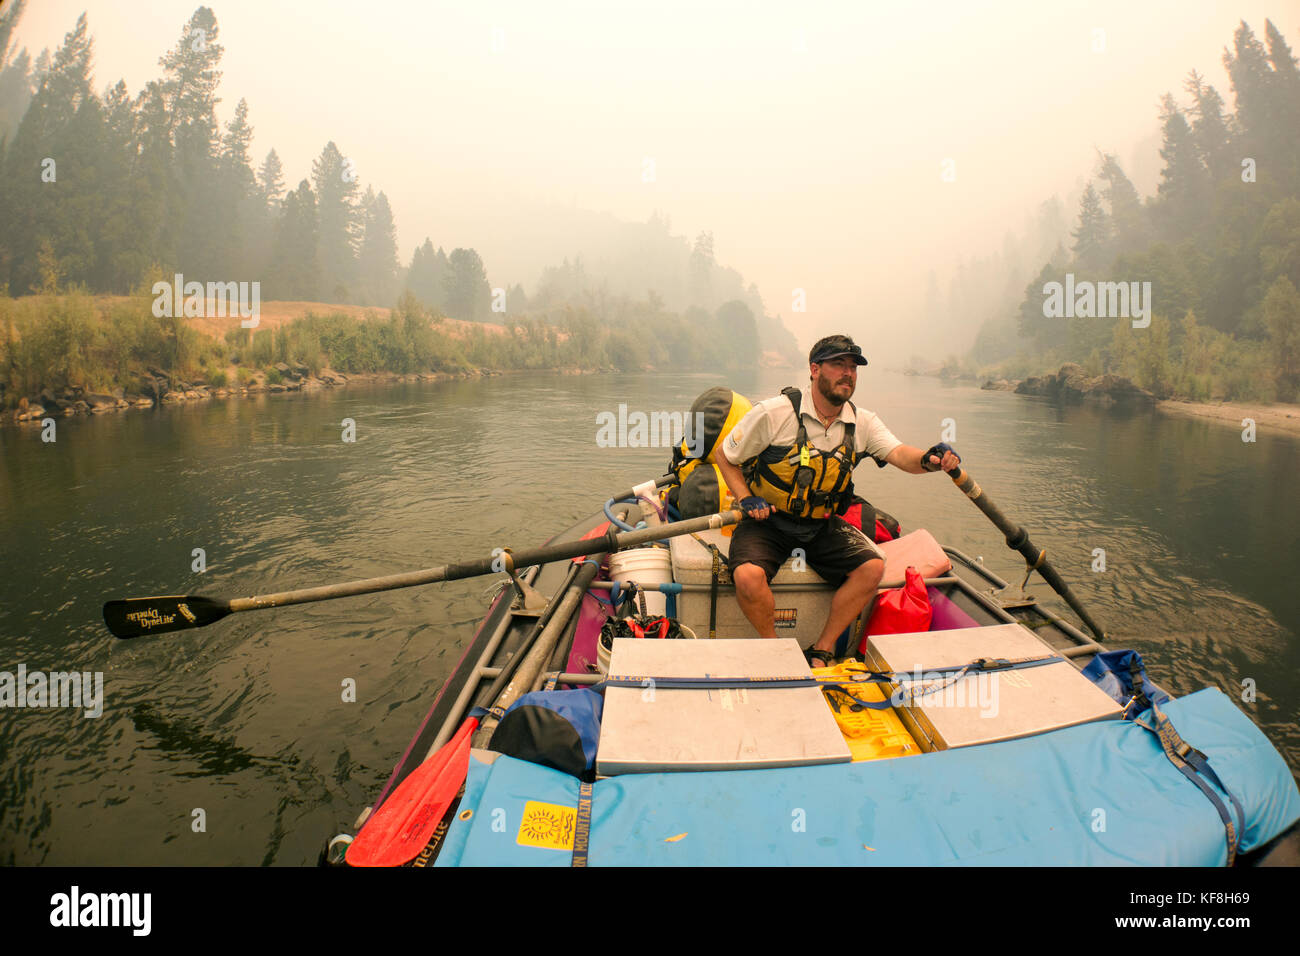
(233, 744)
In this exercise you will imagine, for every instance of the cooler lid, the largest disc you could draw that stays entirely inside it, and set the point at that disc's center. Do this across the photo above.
(693, 562)
(651, 729)
(984, 707)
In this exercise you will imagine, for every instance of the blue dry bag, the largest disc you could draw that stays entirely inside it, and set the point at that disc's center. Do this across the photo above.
(1121, 675)
(555, 728)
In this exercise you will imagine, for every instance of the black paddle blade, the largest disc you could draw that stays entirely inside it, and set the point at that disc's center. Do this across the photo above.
(157, 615)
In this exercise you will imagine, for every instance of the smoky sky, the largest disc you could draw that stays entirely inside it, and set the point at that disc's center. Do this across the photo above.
(811, 139)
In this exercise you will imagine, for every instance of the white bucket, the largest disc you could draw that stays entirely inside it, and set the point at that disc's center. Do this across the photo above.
(603, 655)
(648, 567)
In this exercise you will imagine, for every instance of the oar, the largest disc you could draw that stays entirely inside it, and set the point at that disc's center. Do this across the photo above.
(1018, 540)
(133, 617)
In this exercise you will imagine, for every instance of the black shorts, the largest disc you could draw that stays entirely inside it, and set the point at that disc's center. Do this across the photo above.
(832, 547)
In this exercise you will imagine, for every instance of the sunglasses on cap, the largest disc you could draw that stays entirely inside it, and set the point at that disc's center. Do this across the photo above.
(832, 351)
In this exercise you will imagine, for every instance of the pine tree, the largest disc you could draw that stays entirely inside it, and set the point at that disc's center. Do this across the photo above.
(237, 209)
(701, 270)
(191, 77)
(1092, 237)
(516, 300)
(1284, 105)
(427, 276)
(9, 18)
(1184, 181)
(234, 150)
(16, 85)
(261, 212)
(377, 260)
(189, 92)
(1250, 73)
(1211, 129)
(30, 208)
(122, 259)
(156, 204)
(41, 69)
(1128, 218)
(339, 221)
(83, 197)
(63, 86)
(270, 182)
(416, 273)
(295, 270)
(467, 292)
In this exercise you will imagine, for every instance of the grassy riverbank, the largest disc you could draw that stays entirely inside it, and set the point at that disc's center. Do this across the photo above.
(1178, 359)
(74, 343)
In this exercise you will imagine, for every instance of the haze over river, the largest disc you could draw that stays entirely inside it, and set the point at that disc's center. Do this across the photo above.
(245, 719)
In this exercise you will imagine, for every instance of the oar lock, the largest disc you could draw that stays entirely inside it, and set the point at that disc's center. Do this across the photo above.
(528, 600)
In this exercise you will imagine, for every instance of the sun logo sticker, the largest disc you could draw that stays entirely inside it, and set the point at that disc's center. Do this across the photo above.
(547, 825)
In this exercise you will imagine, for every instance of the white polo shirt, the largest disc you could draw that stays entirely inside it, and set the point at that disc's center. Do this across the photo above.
(772, 422)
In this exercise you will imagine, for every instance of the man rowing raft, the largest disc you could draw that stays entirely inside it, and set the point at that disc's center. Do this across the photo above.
(790, 463)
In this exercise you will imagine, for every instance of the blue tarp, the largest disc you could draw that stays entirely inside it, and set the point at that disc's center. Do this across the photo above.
(1097, 794)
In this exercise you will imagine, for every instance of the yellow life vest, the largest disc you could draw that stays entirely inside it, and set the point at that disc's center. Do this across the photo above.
(801, 480)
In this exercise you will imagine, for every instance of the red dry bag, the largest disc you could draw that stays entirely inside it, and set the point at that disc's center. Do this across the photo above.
(900, 610)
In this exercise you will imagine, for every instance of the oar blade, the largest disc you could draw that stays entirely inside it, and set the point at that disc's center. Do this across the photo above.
(157, 615)
(401, 828)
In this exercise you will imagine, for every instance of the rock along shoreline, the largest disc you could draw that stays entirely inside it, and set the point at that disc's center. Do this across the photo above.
(1072, 384)
(161, 388)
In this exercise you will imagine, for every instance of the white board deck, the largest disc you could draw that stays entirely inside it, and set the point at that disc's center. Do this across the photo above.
(992, 706)
(650, 729)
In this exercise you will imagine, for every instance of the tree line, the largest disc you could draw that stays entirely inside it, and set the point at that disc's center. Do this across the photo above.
(1219, 242)
(97, 189)
(108, 192)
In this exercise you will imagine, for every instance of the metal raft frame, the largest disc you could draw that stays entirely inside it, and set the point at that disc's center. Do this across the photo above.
(503, 637)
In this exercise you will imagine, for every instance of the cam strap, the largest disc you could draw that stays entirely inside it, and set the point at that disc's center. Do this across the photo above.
(718, 563)
(713, 591)
(705, 683)
(1138, 675)
(582, 826)
(1195, 766)
(919, 690)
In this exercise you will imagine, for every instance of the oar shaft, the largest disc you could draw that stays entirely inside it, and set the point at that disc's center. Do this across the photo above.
(963, 480)
(455, 572)
(1018, 540)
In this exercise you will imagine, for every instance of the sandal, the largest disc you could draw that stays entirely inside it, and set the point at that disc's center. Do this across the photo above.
(819, 658)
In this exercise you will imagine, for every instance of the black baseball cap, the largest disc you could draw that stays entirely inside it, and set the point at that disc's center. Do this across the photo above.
(833, 346)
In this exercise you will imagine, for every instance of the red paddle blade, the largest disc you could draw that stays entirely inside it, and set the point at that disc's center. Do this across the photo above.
(403, 825)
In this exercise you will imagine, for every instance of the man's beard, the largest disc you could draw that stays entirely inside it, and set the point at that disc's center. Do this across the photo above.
(826, 386)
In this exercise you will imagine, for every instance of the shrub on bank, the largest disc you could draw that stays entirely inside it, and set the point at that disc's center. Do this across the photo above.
(70, 340)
